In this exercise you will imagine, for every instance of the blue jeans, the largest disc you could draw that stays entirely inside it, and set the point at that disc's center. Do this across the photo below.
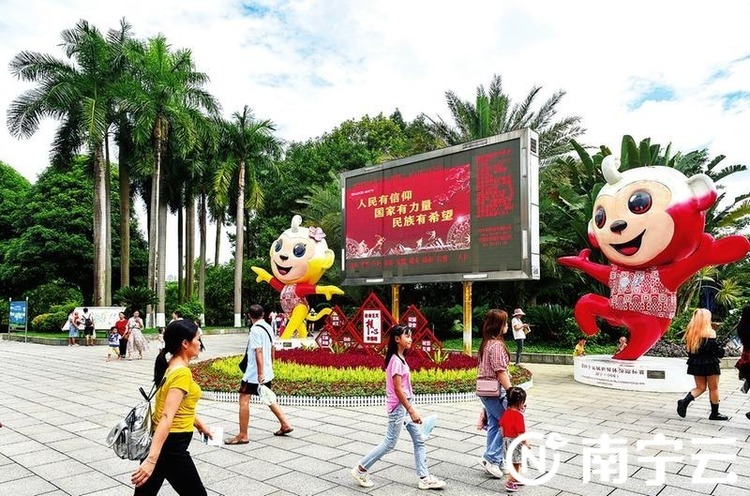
(395, 423)
(494, 407)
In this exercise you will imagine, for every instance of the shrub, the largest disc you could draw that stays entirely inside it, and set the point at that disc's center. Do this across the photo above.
(191, 310)
(135, 298)
(44, 297)
(49, 322)
(554, 323)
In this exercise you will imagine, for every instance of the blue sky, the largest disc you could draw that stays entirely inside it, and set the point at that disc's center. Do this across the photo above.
(674, 71)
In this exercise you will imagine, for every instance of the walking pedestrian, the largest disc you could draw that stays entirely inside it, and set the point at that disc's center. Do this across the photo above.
(512, 425)
(703, 363)
(259, 371)
(399, 397)
(124, 332)
(743, 364)
(493, 365)
(136, 341)
(174, 417)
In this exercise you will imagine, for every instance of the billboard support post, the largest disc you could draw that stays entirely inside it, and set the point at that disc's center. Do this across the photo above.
(395, 303)
(467, 317)
(26, 323)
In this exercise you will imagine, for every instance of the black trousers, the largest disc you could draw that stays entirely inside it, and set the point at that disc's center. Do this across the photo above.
(123, 347)
(176, 466)
(519, 350)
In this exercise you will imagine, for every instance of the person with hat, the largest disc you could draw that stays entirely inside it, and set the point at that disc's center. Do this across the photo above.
(519, 332)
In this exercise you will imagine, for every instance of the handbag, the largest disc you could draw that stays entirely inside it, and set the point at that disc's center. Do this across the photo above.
(488, 387)
(243, 363)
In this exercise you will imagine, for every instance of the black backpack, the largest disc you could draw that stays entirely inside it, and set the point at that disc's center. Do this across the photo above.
(88, 321)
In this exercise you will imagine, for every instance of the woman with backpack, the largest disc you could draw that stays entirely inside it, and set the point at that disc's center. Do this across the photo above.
(174, 417)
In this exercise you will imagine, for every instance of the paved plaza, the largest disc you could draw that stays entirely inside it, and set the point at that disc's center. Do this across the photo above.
(58, 403)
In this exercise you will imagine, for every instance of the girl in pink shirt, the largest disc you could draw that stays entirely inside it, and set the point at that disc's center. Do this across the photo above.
(398, 400)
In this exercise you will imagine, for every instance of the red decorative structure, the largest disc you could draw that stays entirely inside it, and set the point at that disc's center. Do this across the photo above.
(368, 329)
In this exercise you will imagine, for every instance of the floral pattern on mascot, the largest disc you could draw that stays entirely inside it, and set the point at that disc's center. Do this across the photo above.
(299, 257)
(648, 222)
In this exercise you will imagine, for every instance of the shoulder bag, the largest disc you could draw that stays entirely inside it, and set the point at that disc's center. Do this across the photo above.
(243, 362)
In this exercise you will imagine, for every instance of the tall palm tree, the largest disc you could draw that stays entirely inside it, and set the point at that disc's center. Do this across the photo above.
(80, 94)
(163, 98)
(250, 147)
(493, 112)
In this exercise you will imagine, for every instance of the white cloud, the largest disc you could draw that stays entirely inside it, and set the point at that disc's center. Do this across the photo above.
(310, 64)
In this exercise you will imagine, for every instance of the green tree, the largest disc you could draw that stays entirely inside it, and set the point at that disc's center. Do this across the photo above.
(493, 112)
(164, 96)
(250, 148)
(80, 94)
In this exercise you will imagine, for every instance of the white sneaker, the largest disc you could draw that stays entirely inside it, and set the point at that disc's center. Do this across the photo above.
(362, 477)
(431, 482)
(493, 469)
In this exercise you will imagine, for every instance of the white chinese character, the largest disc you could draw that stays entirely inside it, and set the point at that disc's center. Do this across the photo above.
(703, 459)
(615, 461)
(660, 462)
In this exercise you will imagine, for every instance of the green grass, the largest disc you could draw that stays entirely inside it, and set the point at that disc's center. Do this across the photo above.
(548, 348)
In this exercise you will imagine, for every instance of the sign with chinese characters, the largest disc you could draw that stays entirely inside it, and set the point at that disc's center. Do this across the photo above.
(17, 315)
(468, 210)
(372, 331)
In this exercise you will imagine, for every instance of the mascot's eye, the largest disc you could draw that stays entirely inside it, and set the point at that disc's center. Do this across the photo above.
(279, 245)
(299, 250)
(640, 202)
(600, 217)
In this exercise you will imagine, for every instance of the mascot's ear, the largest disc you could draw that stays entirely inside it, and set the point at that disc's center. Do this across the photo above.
(592, 238)
(704, 190)
(328, 259)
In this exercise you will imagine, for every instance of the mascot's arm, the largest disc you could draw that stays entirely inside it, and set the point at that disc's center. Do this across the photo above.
(581, 262)
(710, 252)
(264, 276)
(311, 289)
(329, 291)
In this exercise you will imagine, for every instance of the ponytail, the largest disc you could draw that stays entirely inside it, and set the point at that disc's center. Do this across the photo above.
(176, 332)
(160, 366)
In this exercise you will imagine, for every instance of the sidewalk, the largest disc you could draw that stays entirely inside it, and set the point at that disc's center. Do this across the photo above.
(57, 405)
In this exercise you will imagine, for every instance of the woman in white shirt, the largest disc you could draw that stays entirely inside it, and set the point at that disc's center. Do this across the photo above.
(519, 332)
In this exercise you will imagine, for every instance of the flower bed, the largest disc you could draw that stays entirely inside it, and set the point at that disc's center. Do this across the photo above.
(320, 373)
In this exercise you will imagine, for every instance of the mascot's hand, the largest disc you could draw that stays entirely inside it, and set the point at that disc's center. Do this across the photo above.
(576, 261)
(263, 275)
(329, 291)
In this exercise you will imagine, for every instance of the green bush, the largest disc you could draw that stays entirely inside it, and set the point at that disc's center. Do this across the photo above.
(191, 310)
(49, 322)
(220, 294)
(552, 323)
(135, 298)
(44, 297)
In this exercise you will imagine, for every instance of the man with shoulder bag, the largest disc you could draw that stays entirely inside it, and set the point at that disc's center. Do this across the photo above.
(258, 373)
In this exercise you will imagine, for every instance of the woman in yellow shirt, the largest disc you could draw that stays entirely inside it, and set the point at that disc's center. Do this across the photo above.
(174, 417)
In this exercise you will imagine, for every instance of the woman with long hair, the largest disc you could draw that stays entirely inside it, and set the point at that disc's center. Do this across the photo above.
(174, 417)
(494, 361)
(703, 363)
(398, 402)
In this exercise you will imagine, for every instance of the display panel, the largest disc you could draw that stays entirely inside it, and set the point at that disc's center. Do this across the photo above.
(465, 212)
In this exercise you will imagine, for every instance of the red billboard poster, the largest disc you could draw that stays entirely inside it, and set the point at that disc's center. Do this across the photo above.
(465, 212)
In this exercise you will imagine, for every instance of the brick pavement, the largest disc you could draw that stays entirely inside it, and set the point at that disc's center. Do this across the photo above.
(58, 404)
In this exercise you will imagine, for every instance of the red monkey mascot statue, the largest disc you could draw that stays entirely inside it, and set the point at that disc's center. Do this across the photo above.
(648, 222)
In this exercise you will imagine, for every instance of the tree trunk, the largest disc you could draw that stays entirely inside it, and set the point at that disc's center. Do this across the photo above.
(153, 221)
(202, 217)
(217, 244)
(189, 248)
(162, 265)
(100, 235)
(239, 243)
(108, 224)
(180, 255)
(124, 183)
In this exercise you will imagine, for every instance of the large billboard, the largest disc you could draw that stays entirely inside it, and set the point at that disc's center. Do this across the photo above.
(468, 212)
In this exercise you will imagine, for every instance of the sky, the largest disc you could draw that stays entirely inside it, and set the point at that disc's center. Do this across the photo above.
(675, 71)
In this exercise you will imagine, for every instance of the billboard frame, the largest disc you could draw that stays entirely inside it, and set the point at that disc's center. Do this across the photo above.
(528, 141)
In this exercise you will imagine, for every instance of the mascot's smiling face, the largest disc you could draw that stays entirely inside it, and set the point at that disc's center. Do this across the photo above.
(300, 254)
(649, 216)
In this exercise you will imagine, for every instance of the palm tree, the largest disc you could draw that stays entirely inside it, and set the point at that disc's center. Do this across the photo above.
(163, 98)
(80, 94)
(493, 112)
(250, 147)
